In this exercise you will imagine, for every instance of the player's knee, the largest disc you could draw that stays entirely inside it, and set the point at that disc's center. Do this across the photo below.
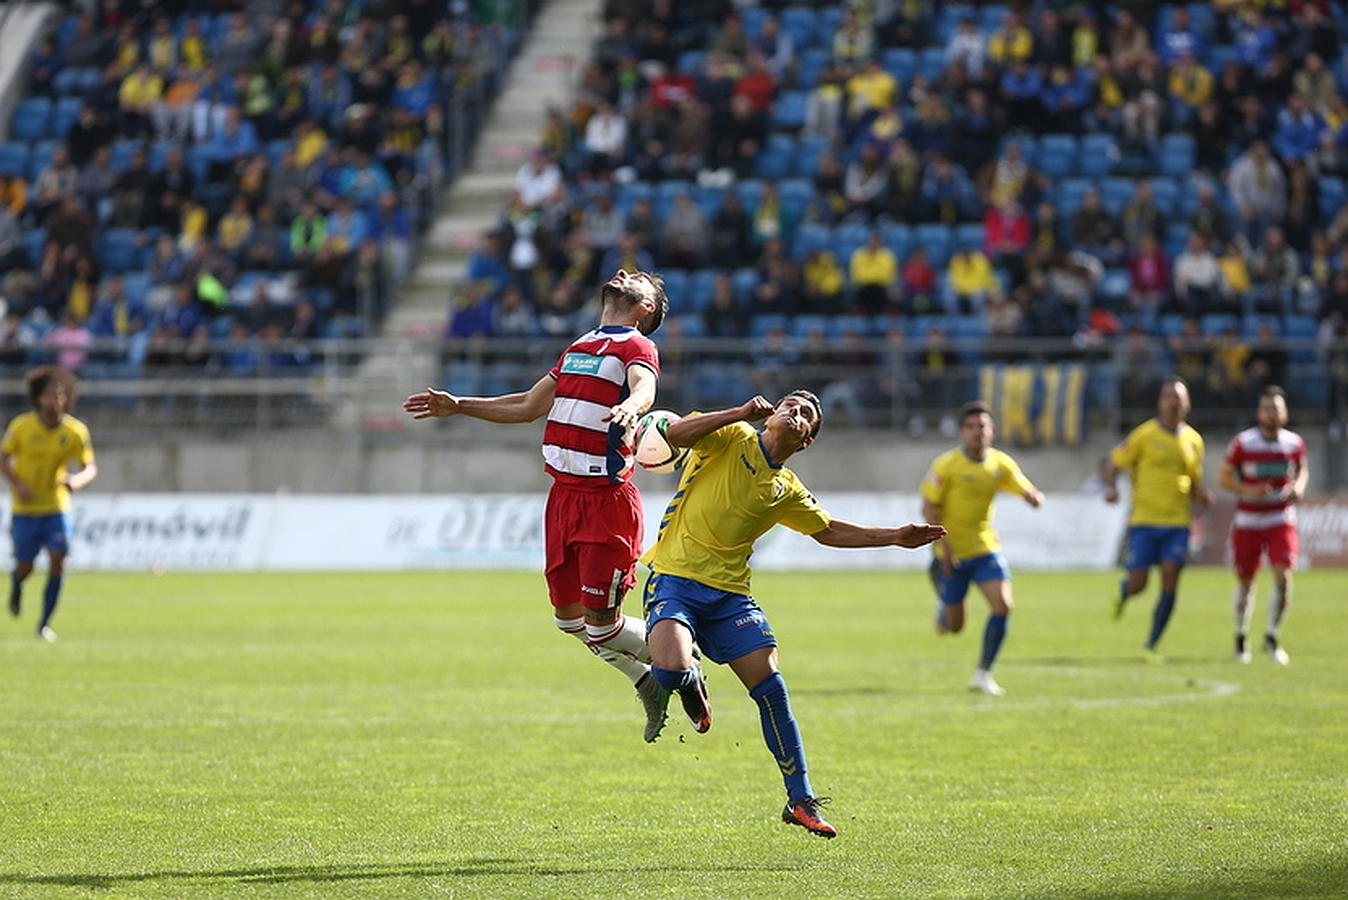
(1003, 606)
(954, 619)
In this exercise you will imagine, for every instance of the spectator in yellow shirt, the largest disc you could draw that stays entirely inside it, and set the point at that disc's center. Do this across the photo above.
(1189, 84)
(235, 227)
(1012, 42)
(137, 97)
(871, 88)
(822, 282)
(970, 278)
(874, 272)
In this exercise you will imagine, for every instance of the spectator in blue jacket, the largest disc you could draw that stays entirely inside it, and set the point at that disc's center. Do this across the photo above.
(1298, 130)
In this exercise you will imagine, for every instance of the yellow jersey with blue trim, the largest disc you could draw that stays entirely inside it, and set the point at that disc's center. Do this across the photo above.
(39, 455)
(729, 496)
(1164, 466)
(964, 488)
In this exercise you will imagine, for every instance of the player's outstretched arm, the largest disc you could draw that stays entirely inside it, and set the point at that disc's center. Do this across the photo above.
(846, 534)
(640, 397)
(506, 409)
(690, 429)
(78, 481)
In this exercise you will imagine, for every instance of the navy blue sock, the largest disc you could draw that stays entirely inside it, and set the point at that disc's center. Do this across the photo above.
(1123, 589)
(781, 734)
(50, 594)
(993, 635)
(15, 582)
(1160, 617)
(673, 679)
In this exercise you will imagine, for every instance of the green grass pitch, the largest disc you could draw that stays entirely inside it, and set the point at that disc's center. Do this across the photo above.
(428, 735)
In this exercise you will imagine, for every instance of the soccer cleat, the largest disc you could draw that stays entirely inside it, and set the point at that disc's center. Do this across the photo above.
(1242, 650)
(654, 699)
(47, 634)
(805, 813)
(695, 702)
(1275, 652)
(983, 682)
(15, 601)
(1152, 655)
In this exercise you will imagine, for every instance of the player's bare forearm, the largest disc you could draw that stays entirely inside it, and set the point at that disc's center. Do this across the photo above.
(641, 383)
(1110, 476)
(690, 429)
(506, 409)
(78, 481)
(848, 535)
(1302, 481)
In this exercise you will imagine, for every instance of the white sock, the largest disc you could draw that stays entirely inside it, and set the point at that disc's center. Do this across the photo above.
(574, 627)
(1244, 610)
(621, 644)
(1276, 606)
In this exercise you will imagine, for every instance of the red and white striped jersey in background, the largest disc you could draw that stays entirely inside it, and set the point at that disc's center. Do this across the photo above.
(579, 447)
(1258, 460)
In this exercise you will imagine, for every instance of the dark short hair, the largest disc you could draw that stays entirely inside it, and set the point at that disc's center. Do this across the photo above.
(661, 303)
(810, 398)
(42, 377)
(975, 408)
(1273, 391)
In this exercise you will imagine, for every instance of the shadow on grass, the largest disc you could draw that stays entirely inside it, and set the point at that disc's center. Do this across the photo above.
(1134, 661)
(369, 872)
(1312, 878)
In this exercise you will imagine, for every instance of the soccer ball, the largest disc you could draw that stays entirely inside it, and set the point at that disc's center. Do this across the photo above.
(654, 452)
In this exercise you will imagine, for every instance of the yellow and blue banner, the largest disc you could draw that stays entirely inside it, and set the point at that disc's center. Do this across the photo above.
(1036, 403)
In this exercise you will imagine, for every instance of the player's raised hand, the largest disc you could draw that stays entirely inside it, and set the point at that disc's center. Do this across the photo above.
(915, 535)
(756, 409)
(431, 402)
(622, 416)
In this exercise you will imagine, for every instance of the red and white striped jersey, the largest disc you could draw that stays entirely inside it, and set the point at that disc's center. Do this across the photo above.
(579, 447)
(1256, 459)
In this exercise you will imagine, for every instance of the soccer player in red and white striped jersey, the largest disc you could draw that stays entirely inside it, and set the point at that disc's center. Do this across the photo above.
(592, 528)
(1265, 467)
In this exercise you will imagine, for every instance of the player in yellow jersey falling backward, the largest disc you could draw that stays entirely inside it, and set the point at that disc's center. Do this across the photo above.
(35, 458)
(1164, 457)
(958, 492)
(734, 488)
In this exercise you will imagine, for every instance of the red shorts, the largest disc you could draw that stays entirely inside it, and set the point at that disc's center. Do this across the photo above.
(1249, 544)
(593, 538)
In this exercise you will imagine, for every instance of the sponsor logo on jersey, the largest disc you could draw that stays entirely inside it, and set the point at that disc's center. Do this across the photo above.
(582, 363)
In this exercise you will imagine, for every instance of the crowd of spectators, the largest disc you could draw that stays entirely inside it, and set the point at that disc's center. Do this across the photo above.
(209, 181)
(1162, 176)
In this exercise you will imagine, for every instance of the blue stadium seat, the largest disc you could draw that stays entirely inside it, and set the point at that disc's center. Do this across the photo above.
(1069, 193)
(901, 63)
(1029, 147)
(691, 326)
(117, 250)
(708, 199)
(31, 118)
(1302, 327)
(1218, 323)
(1176, 238)
(1099, 153)
(34, 241)
(810, 66)
(970, 234)
(1166, 194)
(808, 151)
(973, 326)
(830, 17)
(1115, 194)
(804, 326)
(1058, 155)
(629, 193)
(1170, 324)
(751, 193)
(700, 288)
(990, 17)
(788, 112)
(68, 81)
(1219, 57)
(800, 24)
(40, 157)
(676, 289)
(1177, 155)
(847, 238)
(744, 280)
(762, 323)
(137, 286)
(14, 159)
(918, 326)
(122, 151)
(937, 240)
(1114, 284)
(1331, 197)
(1252, 323)
(753, 20)
(840, 325)
(691, 62)
(796, 194)
(931, 64)
(810, 236)
(899, 239)
(64, 114)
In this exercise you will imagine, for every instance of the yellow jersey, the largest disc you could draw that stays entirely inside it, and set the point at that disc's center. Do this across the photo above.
(729, 496)
(964, 488)
(1164, 466)
(38, 456)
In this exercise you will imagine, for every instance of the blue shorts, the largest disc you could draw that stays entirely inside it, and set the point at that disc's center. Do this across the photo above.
(725, 625)
(988, 567)
(32, 533)
(1151, 545)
